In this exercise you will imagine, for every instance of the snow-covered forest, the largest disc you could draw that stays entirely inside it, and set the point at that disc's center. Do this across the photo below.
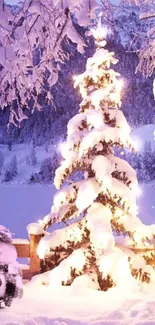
(77, 162)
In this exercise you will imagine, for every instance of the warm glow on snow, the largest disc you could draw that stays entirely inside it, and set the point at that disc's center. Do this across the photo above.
(106, 264)
(63, 149)
(42, 249)
(137, 237)
(103, 240)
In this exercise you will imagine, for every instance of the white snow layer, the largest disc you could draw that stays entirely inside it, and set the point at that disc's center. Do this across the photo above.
(103, 169)
(62, 273)
(8, 254)
(129, 303)
(59, 238)
(113, 135)
(35, 229)
(98, 222)
(88, 191)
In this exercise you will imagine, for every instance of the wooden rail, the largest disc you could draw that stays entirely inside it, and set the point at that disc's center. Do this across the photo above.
(28, 249)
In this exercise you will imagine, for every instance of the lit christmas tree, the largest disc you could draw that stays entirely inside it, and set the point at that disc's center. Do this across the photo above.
(104, 199)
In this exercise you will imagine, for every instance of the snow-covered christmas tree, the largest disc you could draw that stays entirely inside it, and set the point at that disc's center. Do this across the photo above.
(103, 201)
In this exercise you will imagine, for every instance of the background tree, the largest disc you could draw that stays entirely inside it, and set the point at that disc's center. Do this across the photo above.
(1, 161)
(32, 158)
(13, 165)
(104, 199)
(11, 171)
(146, 51)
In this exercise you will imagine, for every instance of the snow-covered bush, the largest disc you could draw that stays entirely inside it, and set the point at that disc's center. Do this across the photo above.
(105, 199)
(7, 176)
(10, 273)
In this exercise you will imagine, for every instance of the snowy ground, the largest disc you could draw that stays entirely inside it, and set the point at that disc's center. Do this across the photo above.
(121, 306)
(22, 151)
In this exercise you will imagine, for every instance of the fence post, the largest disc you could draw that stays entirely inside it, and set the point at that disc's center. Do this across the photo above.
(34, 259)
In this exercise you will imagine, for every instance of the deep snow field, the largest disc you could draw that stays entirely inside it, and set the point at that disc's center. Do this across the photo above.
(130, 304)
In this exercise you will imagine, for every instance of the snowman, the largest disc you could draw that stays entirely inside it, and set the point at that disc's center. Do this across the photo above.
(10, 273)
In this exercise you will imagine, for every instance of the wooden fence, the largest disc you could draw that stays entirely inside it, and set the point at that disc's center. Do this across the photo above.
(28, 249)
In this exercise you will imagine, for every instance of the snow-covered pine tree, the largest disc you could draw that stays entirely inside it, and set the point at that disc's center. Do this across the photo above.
(105, 199)
(13, 166)
(1, 161)
(32, 158)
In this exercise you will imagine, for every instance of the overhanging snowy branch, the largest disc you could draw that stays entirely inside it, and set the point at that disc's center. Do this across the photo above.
(31, 48)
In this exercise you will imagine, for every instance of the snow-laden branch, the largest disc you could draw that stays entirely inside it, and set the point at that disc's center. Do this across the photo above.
(31, 48)
(146, 15)
(146, 51)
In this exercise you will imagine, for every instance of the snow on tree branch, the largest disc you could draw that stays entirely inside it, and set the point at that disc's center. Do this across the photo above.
(147, 51)
(146, 15)
(31, 48)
